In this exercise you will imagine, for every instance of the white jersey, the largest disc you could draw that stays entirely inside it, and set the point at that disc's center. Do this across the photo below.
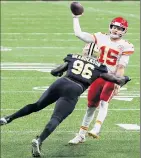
(110, 53)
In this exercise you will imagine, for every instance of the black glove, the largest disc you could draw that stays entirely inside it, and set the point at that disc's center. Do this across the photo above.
(54, 73)
(60, 74)
(126, 79)
(58, 71)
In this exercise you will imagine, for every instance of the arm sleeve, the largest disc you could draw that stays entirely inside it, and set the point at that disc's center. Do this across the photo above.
(129, 49)
(84, 36)
(102, 68)
(116, 79)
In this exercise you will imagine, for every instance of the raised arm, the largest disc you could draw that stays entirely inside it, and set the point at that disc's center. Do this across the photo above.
(84, 36)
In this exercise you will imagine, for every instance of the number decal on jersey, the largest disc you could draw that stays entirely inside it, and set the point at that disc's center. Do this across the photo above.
(84, 69)
(108, 56)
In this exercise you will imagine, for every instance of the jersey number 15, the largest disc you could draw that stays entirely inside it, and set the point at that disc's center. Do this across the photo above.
(108, 56)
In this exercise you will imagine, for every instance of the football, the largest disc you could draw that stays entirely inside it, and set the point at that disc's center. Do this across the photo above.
(76, 8)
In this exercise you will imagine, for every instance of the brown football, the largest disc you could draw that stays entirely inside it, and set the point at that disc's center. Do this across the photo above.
(76, 8)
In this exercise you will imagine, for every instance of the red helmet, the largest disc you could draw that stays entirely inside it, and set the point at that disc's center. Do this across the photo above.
(121, 22)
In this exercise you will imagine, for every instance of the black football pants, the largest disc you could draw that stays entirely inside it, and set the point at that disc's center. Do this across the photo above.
(65, 92)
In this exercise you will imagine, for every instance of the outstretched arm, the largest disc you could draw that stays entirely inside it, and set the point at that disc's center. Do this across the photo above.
(116, 79)
(60, 69)
(84, 36)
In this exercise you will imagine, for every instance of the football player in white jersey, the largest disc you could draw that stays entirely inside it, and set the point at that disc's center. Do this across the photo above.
(114, 52)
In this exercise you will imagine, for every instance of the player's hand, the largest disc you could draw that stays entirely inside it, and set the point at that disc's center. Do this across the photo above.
(76, 16)
(126, 79)
(60, 74)
(56, 74)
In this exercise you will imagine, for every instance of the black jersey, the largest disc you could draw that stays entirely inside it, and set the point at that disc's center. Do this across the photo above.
(84, 69)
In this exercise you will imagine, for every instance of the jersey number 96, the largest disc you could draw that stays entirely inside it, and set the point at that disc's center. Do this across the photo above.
(85, 70)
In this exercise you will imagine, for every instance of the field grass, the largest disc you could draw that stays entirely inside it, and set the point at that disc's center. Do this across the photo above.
(42, 32)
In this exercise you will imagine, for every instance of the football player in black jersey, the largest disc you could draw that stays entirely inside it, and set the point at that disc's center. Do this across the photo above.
(81, 71)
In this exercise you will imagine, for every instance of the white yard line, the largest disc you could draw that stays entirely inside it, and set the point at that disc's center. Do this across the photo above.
(128, 109)
(44, 47)
(90, 9)
(114, 13)
(60, 131)
(25, 78)
(53, 33)
(29, 27)
(21, 91)
(43, 39)
(36, 65)
(53, 40)
(18, 63)
(37, 33)
(65, 2)
(130, 95)
(39, 77)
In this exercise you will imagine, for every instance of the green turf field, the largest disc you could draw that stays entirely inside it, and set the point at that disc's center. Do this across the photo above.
(35, 36)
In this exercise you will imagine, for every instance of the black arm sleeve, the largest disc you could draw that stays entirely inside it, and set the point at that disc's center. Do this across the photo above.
(60, 69)
(116, 79)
